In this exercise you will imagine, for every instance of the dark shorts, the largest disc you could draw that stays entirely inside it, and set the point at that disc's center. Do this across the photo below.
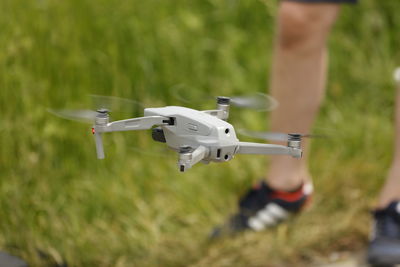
(326, 1)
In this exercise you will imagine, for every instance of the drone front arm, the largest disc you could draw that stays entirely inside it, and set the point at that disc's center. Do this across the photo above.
(188, 159)
(222, 111)
(219, 113)
(268, 149)
(142, 123)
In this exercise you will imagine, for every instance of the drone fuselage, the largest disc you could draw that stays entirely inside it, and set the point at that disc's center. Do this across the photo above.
(192, 129)
(196, 135)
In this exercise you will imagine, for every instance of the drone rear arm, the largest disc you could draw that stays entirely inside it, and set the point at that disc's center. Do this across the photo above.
(142, 123)
(268, 149)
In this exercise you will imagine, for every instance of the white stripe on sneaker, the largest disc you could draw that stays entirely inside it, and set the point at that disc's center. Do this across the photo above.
(277, 211)
(256, 224)
(270, 215)
(266, 217)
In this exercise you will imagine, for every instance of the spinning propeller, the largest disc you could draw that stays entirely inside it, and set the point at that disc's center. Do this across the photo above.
(102, 105)
(255, 101)
(258, 101)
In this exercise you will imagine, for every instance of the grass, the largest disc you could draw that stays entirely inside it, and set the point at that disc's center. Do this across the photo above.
(136, 209)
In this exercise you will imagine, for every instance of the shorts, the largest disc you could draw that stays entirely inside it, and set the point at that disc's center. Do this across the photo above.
(327, 1)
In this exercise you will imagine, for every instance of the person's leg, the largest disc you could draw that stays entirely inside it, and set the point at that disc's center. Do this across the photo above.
(298, 80)
(391, 190)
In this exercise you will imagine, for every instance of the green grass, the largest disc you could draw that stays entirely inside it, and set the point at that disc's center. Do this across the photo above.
(135, 209)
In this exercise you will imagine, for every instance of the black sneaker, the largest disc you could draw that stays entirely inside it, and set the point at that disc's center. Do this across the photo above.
(263, 207)
(384, 248)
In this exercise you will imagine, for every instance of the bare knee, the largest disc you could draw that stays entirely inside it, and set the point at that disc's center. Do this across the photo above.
(304, 26)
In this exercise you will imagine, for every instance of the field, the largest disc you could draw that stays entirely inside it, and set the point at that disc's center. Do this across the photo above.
(59, 204)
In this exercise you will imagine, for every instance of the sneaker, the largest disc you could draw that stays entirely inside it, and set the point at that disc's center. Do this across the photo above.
(263, 207)
(384, 247)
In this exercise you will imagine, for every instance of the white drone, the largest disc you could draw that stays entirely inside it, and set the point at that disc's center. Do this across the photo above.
(196, 135)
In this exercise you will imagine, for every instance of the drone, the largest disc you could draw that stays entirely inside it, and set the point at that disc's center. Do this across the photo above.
(196, 135)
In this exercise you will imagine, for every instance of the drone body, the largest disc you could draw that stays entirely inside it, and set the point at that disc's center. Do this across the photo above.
(200, 134)
(196, 135)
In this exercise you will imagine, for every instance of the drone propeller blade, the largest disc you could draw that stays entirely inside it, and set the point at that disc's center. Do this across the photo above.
(99, 102)
(116, 104)
(258, 101)
(273, 136)
(82, 115)
(255, 101)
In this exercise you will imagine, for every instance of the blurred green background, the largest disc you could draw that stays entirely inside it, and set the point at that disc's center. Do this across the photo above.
(58, 203)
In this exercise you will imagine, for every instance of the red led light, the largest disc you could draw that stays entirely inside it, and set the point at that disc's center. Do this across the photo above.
(93, 131)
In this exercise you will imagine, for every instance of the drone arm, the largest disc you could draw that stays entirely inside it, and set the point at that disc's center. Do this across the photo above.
(222, 111)
(142, 123)
(188, 159)
(268, 149)
(219, 113)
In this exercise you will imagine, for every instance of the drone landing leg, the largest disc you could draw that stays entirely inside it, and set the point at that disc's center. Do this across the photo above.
(99, 145)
